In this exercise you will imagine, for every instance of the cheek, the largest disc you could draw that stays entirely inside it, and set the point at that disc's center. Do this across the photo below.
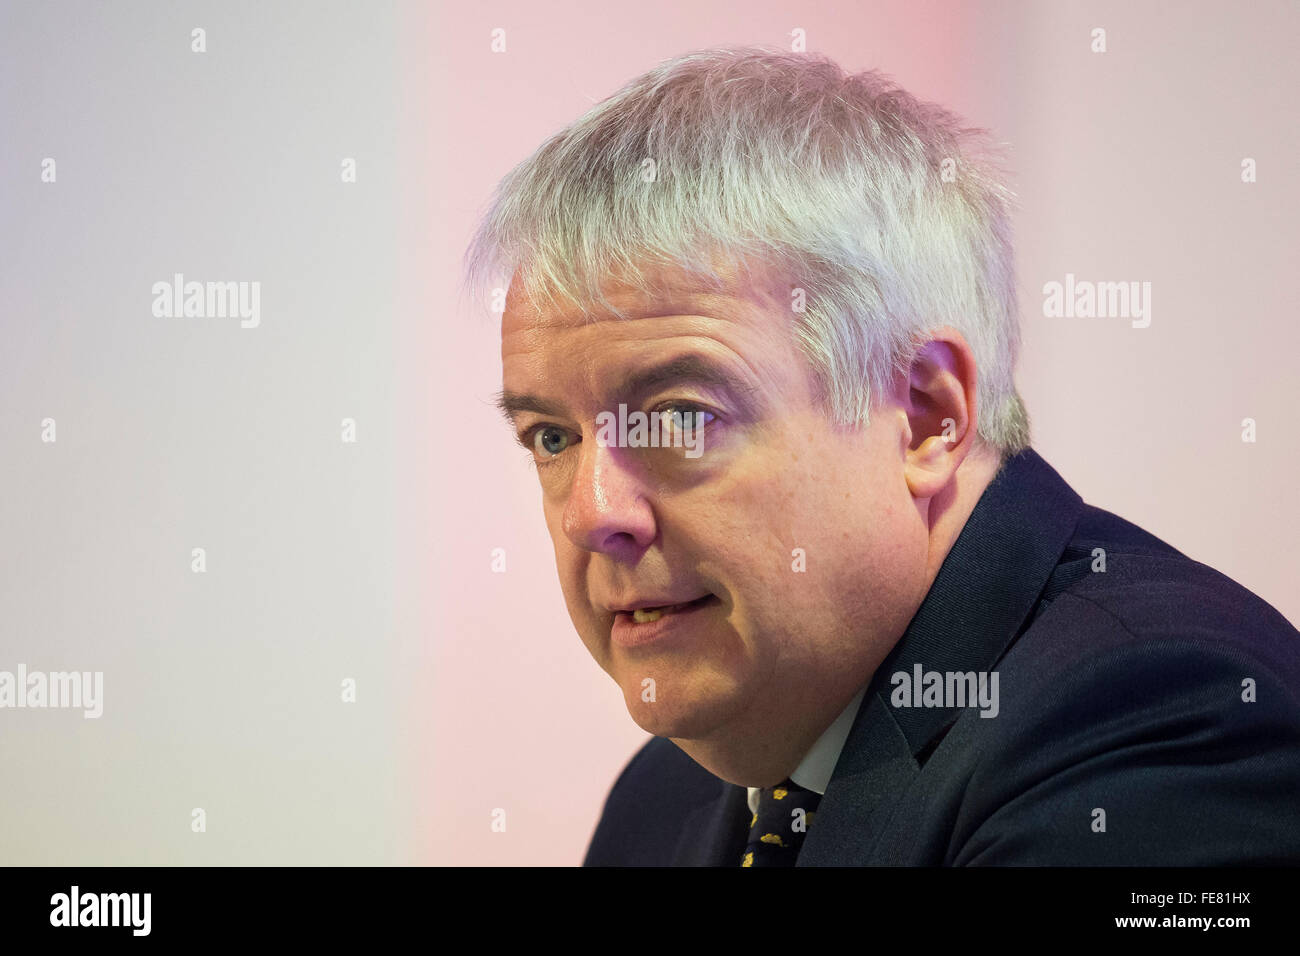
(853, 515)
(762, 510)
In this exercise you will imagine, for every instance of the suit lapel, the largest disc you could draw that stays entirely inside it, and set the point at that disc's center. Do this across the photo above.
(875, 766)
(980, 602)
(715, 834)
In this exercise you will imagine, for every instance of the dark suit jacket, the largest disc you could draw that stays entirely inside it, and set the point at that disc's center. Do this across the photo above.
(1119, 690)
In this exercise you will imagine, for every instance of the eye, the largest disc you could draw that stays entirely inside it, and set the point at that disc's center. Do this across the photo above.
(684, 415)
(549, 441)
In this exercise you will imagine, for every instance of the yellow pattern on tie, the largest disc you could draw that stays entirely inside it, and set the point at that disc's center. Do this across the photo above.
(778, 824)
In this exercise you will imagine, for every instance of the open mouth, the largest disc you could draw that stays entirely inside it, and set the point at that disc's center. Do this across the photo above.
(647, 615)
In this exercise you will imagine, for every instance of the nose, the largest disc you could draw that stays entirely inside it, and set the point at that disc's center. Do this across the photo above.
(608, 509)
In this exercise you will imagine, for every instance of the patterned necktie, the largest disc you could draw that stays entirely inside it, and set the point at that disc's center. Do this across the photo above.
(777, 830)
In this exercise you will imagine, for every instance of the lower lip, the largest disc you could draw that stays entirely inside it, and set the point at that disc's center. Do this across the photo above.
(628, 633)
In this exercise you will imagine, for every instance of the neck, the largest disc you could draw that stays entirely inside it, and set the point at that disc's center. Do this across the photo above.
(947, 512)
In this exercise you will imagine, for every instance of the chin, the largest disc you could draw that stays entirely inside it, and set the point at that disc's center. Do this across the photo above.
(691, 714)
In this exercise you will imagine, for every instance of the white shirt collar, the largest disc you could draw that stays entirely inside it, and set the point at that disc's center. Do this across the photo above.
(814, 773)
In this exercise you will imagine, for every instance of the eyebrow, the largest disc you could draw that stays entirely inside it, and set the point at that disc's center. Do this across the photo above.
(692, 369)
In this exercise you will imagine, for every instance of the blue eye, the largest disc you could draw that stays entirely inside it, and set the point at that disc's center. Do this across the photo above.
(683, 416)
(549, 441)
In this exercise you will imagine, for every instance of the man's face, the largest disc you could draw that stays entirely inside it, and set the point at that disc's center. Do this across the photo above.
(799, 537)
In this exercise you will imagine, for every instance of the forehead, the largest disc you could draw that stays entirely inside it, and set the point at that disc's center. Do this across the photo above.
(749, 302)
(735, 339)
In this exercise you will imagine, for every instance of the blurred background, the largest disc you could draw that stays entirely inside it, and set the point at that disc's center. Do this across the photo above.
(338, 154)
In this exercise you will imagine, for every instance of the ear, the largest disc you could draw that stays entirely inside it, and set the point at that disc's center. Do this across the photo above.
(937, 395)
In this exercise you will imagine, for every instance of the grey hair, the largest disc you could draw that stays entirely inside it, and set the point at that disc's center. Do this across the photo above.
(887, 212)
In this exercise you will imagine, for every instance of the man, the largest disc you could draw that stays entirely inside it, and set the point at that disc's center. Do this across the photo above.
(865, 622)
